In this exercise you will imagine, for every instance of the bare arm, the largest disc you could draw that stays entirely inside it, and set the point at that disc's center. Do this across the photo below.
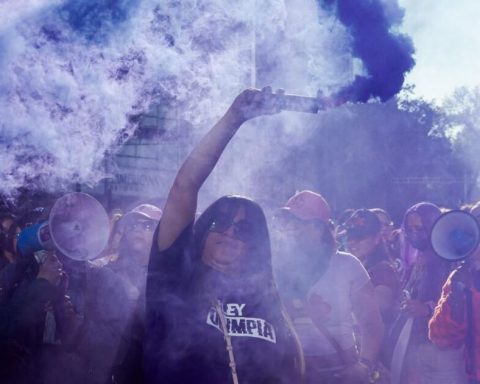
(367, 314)
(385, 298)
(179, 210)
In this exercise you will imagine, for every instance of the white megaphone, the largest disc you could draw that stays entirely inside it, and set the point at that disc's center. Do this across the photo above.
(455, 235)
(77, 226)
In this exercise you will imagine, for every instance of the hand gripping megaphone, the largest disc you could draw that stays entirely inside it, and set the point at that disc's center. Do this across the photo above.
(77, 226)
(455, 235)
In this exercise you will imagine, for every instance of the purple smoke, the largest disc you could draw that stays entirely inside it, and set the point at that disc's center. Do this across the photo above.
(386, 55)
(96, 20)
(73, 73)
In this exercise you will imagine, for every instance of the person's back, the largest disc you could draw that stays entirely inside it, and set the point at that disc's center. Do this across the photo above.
(94, 321)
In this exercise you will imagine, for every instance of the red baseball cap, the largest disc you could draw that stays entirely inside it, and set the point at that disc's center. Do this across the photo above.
(308, 205)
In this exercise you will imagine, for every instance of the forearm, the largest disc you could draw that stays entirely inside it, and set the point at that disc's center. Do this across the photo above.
(202, 160)
(182, 200)
(200, 163)
(181, 203)
(371, 337)
(370, 324)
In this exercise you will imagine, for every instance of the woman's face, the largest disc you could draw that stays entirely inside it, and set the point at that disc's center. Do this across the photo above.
(362, 248)
(386, 226)
(229, 242)
(416, 233)
(138, 238)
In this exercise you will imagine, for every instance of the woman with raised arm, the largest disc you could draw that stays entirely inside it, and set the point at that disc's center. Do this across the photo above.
(213, 310)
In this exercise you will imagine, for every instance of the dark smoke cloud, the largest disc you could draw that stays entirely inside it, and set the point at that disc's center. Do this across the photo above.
(73, 73)
(385, 54)
(94, 19)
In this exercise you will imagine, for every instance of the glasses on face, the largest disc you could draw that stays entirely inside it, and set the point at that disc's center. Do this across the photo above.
(243, 230)
(143, 225)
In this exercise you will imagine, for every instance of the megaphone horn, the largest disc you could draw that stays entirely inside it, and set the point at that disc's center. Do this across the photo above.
(77, 226)
(455, 235)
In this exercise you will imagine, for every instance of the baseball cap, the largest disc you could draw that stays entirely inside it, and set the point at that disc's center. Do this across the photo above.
(148, 211)
(308, 205)
(362, 224)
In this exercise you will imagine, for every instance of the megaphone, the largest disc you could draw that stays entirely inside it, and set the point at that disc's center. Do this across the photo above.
(77, 226)
(455, 235)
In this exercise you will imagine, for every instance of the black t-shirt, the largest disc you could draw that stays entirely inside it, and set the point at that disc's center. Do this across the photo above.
(184, 336)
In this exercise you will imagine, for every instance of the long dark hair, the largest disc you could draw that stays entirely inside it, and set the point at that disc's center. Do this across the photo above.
(259, 263)
(229, 205)
(437, 269)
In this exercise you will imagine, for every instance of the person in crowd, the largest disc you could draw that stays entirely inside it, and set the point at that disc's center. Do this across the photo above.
(328, 294)
(137, 227)
(414, 358)
(213, 312)
(13, 264)
(9, 268)
(98, 316)
(394, 241)
(386, 224)
(67, 317)
(30, 286)
(364, 239)
(35, 324)
(110, 253)
(340, 220)
(8, 232)
(455, 322)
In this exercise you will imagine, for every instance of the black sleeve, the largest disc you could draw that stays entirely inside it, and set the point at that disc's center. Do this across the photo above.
(27, 311)
(169, 268)
(168, 271)
(106, 318)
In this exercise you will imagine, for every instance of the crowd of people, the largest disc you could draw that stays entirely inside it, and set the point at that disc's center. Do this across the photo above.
(231, 296)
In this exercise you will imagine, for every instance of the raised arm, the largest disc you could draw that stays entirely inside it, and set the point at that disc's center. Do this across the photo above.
(181, 205)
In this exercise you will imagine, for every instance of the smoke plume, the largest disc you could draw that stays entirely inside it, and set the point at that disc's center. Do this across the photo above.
(386, 55)
(73, 73)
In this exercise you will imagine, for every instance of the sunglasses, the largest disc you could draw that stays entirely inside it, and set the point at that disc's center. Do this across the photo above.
(144, 225)
(243, 230)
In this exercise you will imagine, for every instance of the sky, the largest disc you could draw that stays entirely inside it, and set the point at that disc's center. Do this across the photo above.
(447, 42)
